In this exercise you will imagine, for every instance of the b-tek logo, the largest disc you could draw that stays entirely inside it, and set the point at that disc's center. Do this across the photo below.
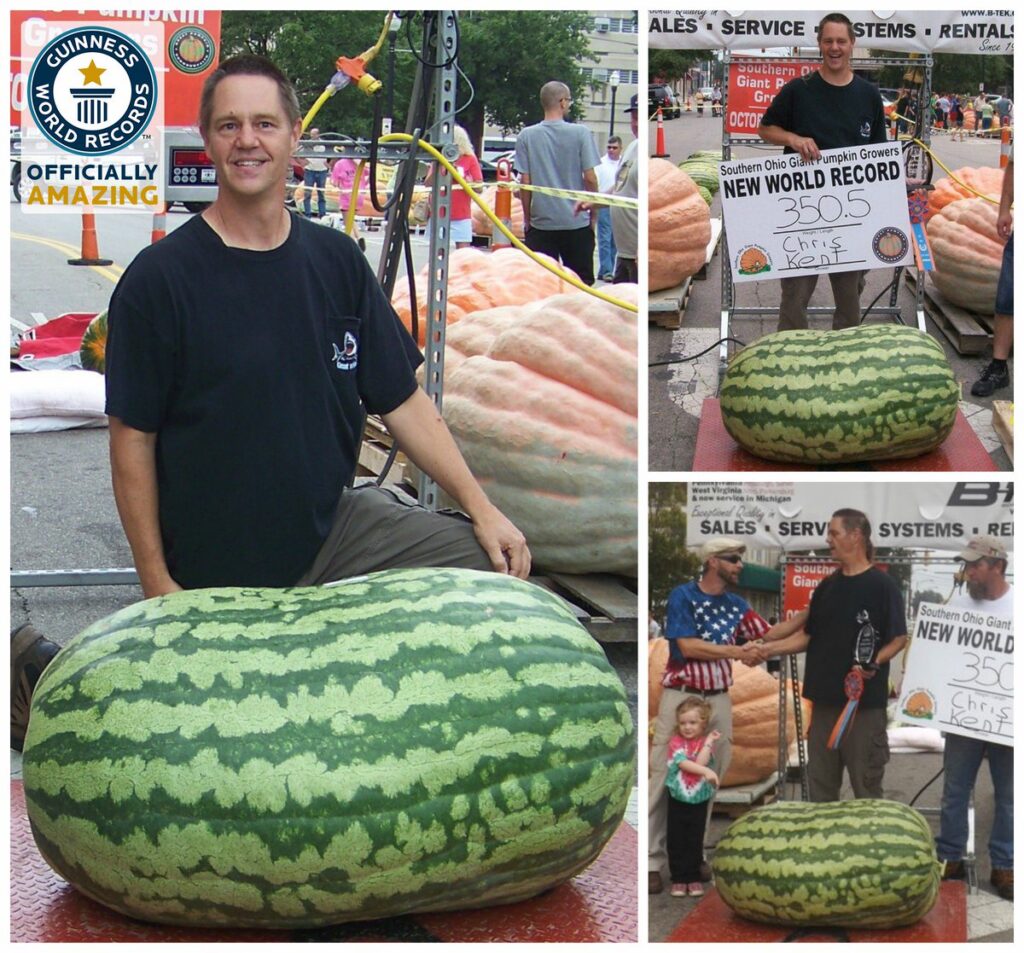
(981, 494)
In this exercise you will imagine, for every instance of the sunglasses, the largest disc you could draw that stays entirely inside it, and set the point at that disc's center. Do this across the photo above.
(731, 559)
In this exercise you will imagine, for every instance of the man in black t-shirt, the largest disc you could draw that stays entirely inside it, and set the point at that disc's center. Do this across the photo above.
(856, 620)
(829, 109)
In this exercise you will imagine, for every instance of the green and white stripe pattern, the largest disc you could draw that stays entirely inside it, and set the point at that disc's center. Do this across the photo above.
(861, 863)
(409, 741)
(873, 392)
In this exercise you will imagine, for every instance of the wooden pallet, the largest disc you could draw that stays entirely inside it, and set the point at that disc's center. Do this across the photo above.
(373, 454)
(968, 332)
(734, 801)
(1002, 423)
(605, 605)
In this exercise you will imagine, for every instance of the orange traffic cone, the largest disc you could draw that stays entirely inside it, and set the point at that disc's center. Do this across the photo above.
(503, 205)
(159, 224)
(1004, 146)
(90, 249)
(659, 143)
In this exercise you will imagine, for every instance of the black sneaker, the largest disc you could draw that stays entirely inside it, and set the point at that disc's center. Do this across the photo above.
(31, 652)
(992, 378)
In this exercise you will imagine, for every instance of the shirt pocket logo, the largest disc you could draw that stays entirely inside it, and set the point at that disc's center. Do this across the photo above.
(346, 357)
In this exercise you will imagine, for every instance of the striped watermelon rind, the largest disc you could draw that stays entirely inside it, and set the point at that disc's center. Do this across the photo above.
(873, 392)
(702, 172)
(93, 350)
(865, 863)
(414, 740)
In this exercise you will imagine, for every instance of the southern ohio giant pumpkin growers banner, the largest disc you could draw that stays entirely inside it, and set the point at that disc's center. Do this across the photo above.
(959, 673)
(795, 516)
(845, 212)
(910, 31)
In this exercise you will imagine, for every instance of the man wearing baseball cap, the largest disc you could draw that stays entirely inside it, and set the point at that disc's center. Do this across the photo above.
(988, 592)
(705, 625)
(624, 220)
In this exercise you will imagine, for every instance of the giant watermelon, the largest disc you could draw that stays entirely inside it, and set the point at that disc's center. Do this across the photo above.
(874, 392)
(862, 863)
(409, 741)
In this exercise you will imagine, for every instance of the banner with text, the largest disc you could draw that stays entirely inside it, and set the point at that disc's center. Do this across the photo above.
(959, 673)
(752, 87)
(988, 32)
(795, 516)
(802, 578)
(846, 212)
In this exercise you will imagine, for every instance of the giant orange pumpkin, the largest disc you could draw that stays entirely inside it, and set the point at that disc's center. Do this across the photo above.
(679, 226)
(482, 225)
(986, 180)
(542, 400)
(478, 280)
(968, 253)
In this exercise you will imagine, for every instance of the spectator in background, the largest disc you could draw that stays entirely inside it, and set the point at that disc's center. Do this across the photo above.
(942, 106)
(716, 101)
(343, 175)
(624, 220)
(902, 112)
(1004, 107)
(987, 112)
(462, 205)
(979, 103)
(997, 374)
(558, 154)
(984, 570)
(606, 170)
(314, 176)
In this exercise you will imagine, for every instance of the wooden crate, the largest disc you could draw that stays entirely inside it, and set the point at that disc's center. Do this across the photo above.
(605, 605)
(967, 331)
(1002, 423)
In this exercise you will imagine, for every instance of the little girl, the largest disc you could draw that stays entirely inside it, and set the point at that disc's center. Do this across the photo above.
(691, 784)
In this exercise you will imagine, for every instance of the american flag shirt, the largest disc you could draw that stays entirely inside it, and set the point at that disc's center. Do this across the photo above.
(723, 620)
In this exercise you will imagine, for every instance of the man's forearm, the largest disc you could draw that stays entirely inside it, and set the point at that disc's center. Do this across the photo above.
(776, 135)
(698, 649)
(890, 649)
(133, 474)
(524, 200)
(791, 645)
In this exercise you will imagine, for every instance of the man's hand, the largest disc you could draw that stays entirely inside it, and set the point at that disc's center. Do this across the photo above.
(807, 148)
(1004, 225)
(504, 544)
(751, 654)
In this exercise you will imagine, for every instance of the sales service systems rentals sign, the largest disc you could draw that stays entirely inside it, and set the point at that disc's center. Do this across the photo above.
(794, 517)
(847, 211)
(91, 129)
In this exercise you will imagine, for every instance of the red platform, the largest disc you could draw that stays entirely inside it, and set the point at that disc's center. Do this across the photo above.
(716, 450)
(598, 906)
(713, 922)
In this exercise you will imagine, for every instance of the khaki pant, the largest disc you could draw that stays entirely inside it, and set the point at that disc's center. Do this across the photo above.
(796, 293)
(657, 793)
(376, 529)
(864, 752)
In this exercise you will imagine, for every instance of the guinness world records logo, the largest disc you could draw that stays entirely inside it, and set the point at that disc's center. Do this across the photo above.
(191, 49)
(92, 91)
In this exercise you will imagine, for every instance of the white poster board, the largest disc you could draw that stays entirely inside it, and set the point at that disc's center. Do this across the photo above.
(847, 211)
(959, 674)
(795, 516)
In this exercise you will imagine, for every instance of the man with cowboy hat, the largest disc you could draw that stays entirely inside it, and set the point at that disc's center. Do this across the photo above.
(705, 625)
(984, 572)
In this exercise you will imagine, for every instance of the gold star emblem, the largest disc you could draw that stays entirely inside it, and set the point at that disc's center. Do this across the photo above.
(91, 73)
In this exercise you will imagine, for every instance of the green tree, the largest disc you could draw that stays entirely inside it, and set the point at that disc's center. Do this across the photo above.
(956, 73)
(670, 65)
(504, 57)
(670, 562)
(926, 595)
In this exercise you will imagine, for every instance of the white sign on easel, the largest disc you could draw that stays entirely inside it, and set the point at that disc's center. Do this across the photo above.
(847, 211)
(959, 673)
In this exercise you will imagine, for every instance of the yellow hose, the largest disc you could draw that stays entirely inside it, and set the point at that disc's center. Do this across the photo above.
(566, 276)
(324, 96)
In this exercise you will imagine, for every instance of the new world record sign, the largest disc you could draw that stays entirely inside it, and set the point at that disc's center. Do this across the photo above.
(845, 212)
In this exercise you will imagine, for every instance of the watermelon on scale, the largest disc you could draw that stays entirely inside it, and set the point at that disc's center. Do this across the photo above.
(409, 741)
(865, 863)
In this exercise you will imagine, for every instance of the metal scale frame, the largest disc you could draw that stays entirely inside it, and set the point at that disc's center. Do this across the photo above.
(730, 309)
(442, 44)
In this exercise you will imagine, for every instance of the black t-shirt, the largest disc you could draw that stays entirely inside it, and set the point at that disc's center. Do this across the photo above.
(833, 116)
(253, 368)
(840, 607)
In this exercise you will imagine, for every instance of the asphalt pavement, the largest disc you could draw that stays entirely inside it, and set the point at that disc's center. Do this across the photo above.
(677, 391)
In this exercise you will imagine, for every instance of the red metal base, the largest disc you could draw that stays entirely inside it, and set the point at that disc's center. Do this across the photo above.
(714, 922)
(598, 906)
(716, 450)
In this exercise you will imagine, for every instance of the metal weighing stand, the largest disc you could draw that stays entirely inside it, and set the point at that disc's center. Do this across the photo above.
(730, 309)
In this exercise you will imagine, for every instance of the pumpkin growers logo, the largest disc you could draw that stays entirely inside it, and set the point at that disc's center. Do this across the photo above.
(753, 260)
(890, 245)
(920, 704)
(92, 91)
(191, 49)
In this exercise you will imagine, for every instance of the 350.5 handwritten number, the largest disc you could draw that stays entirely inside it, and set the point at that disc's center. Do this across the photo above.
(999, 674)
(826, 208)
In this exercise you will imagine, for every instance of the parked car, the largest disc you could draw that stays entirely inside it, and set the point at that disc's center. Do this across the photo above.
(658, 94)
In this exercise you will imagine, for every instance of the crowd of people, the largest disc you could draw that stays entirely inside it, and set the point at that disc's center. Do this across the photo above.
(856, 623)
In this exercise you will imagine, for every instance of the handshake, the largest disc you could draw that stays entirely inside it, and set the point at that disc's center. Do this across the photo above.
(754, 653)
